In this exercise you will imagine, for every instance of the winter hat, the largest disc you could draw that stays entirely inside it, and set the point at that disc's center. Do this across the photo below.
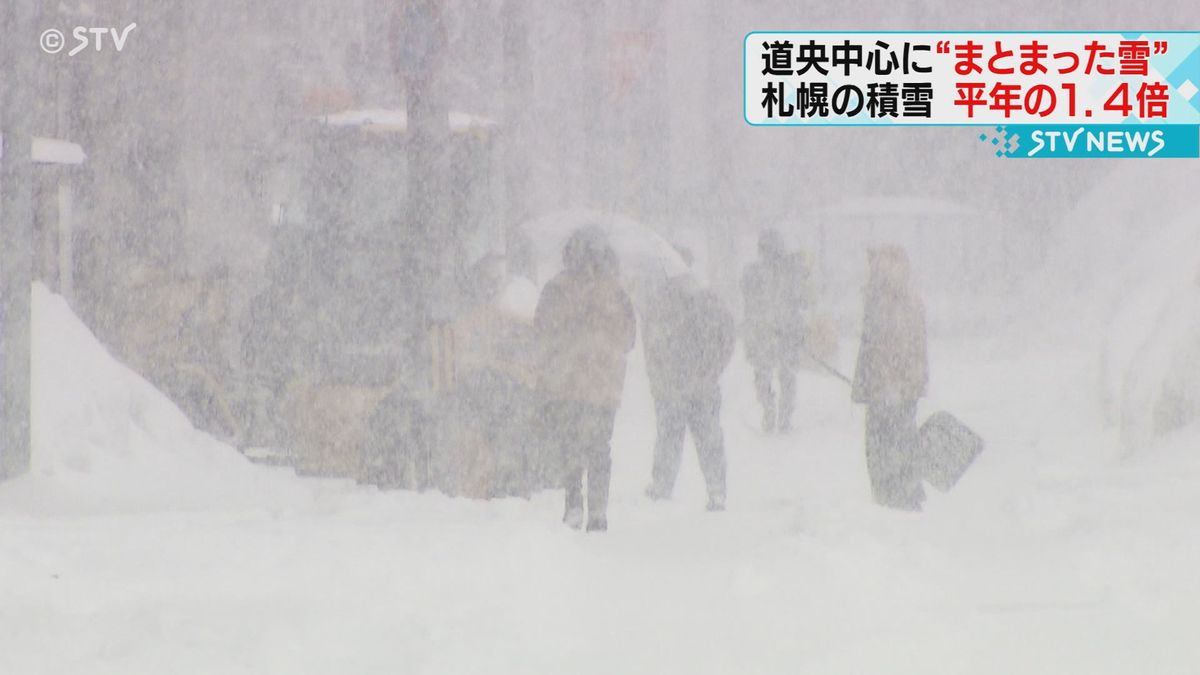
(889, 266)
(588, 248)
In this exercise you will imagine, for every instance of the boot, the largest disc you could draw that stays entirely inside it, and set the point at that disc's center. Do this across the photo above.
(656, 494)
(574, 517)
(768, 420)
(716, 502)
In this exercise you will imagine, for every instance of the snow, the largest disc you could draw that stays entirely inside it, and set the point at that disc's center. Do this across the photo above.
(139, 545)
(55, 151)
(381, 119)
(519, 298)
(1155, 322)
(903, 206)
(106, 441)
(1124, 265)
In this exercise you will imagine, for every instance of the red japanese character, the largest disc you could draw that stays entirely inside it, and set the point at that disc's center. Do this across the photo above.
(1032, 55)
(1096, 51)
(970, 94)
(1035, 97)
(1152, 100)
(1070, 56)
(968, 56)
(1000, 54)
(1133, 55)
(1005, 97)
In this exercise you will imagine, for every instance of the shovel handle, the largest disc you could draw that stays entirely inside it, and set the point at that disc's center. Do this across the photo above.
(828, 368)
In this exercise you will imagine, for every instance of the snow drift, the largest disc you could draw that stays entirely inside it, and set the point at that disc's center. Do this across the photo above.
(106, 440)
(1125, 269)
(1151, 358)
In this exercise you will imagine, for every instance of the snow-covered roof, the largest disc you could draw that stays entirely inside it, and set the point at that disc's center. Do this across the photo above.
(56, 151)
(53, 151)
(384, 120)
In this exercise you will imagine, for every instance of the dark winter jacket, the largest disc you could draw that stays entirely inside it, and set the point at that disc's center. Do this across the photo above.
(688, 337)
(585, 327)
(776, 293)
(893, 362)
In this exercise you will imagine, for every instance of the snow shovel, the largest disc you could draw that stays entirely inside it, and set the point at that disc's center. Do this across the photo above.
(946, 447)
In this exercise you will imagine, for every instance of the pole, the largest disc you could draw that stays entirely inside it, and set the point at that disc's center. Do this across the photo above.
(16, 232)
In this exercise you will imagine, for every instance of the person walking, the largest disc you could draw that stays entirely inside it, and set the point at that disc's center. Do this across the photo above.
(585, 327)
(776, 293)
(688, 336)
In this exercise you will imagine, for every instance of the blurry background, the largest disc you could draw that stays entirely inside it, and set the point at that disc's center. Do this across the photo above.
(242, 174)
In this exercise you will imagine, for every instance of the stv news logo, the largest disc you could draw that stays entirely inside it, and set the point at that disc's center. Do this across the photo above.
(52, 40)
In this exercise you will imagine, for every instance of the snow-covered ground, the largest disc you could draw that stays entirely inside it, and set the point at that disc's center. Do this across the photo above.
(138, 545)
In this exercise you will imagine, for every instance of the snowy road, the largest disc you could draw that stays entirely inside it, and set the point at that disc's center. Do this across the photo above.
(1052, 556)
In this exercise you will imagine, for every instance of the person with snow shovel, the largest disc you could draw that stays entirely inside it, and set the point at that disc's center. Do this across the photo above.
(891, 374)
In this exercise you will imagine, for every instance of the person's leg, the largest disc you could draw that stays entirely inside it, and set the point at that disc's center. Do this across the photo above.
(910, 493)
(876, 433)
(766, 396)
(599, 476)
(704, 418)
(599, 465)
(787, 398)
(573, 509)
(562, 421)
(891, 438)
(668, 447)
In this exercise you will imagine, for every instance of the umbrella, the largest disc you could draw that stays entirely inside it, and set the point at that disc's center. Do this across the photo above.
(644, 254)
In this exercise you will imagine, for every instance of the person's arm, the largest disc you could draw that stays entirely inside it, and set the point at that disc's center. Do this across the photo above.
(921, 347)
(726, 335)
(749, 290)
(626, 321)
(548, 311)
(863, 387)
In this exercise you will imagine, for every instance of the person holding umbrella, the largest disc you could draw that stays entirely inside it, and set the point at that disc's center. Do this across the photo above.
(585, 327)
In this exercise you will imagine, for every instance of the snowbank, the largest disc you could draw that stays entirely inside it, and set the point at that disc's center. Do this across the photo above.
(1120, 280)
(1130, 206)
(1153, 332)
(106, 440)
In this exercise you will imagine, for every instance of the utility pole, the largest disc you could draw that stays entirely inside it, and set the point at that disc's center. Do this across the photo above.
(649, 139)
(516, 168)
(427, 245)
(16, 230)
(719, 197)
(598, 188)
(518, 90)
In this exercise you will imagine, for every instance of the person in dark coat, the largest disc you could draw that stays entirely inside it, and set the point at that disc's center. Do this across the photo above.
(584, 327)
(891, 374)
(688, 337)
(776, 293)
